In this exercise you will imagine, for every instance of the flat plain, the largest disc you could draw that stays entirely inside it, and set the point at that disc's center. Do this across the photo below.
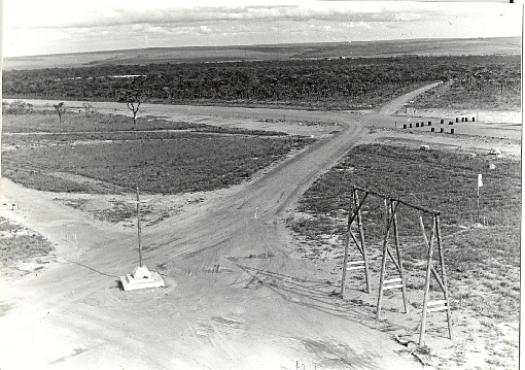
(247, 200)
(479, 46)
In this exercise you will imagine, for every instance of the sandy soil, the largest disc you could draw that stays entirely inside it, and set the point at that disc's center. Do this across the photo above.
(487, 116)
(478, 342)
(458, 142)
(261, 309)
(220, 320)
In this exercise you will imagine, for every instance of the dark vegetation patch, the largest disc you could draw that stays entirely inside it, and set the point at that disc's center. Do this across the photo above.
(186, 162)
(115, 211)
(121, 211)
(336, 84)
(488, 86)
(18, 244)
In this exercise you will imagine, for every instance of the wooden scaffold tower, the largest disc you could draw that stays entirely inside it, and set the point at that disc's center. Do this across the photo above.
(391, 209)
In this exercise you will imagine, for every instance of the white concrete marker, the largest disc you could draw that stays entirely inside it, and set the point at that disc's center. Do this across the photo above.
(142, 278)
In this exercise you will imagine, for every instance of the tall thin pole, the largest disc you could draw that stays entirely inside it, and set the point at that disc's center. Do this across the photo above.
(478, 219)
(139, 229)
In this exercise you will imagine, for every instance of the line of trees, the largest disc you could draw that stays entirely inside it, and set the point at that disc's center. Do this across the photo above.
(353, 82)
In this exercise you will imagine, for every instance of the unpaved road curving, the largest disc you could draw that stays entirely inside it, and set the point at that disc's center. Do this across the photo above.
(393, 106)
(261, 310)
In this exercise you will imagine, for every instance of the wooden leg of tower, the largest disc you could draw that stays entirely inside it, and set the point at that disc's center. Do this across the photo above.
(381, 281)
(345, 259)
(383, 266)
(362, 239)
(444, 275)
(427, 287)
(343, 273)
(399, 260)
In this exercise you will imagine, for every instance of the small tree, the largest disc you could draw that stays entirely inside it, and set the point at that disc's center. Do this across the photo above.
(133, 103)
(60, 109)
(134, 97)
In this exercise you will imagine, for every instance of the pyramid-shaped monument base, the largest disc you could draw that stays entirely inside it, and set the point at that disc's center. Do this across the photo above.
(141, 278)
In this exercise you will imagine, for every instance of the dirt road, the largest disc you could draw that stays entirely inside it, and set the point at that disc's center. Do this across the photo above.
(259, 309)
(393, 106)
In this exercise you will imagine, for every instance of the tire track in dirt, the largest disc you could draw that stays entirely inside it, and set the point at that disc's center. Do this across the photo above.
(225, 231)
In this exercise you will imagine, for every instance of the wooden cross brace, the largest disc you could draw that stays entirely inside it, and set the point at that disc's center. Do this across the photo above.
(356, 205)
(391, 222)
(440, 305)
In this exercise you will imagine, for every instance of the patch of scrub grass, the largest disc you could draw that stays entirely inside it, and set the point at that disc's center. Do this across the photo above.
(73, 203)
(77, 122)
(121, 211)
(18, 244)
(116, 211)
(309, 227)
(481, 260)
(441, 180)
(39, 180)
(188, 162)
(47, 121)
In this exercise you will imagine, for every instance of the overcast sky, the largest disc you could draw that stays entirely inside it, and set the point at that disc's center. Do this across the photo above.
(64, 26)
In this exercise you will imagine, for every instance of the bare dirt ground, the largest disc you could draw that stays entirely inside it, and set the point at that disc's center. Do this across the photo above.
(487, 116)
(261, 309)
(482, 261)
(468, 143)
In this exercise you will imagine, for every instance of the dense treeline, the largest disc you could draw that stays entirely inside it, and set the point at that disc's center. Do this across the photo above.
(486, 89)
(339, 83)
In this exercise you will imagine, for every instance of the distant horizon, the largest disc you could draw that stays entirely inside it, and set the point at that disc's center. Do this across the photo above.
(35, 28)
(257, 44)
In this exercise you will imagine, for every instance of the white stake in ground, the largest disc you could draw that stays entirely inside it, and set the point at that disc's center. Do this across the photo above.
(142, 277)
(480, 184)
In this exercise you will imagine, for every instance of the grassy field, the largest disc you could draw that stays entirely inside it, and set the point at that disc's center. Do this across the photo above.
(483, 262)
(436, 179)
(18, 244)
(47, 121)
(108, 161)
(20, 118)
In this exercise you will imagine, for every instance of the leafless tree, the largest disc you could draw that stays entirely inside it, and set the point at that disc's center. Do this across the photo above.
(61, 109)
